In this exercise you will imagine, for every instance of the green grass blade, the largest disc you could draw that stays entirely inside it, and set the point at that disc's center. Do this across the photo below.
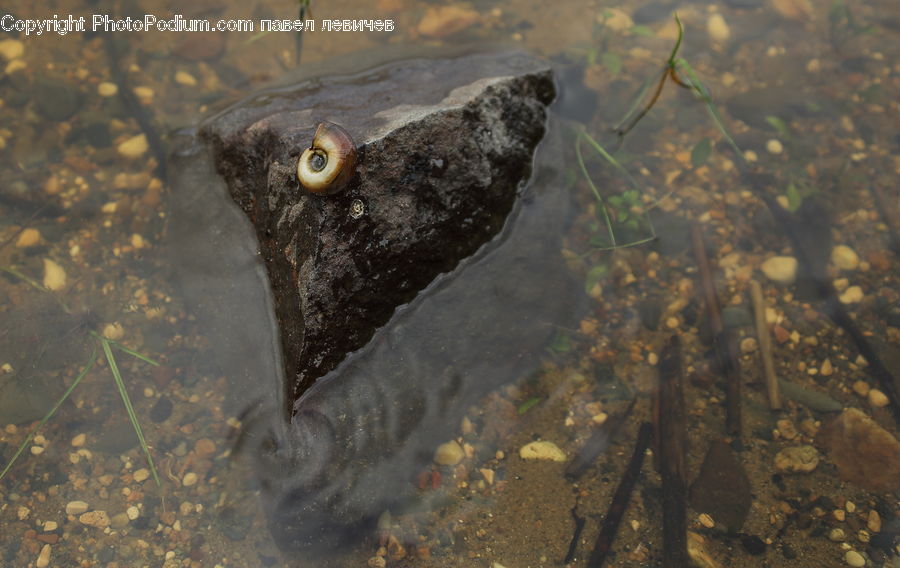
(587, 176)
(34, 283)
(91, 360)
(127, 401)
(133, 353)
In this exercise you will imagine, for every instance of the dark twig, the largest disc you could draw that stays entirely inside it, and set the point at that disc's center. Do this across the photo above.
(724, 344)
(671, 434)
(621, 498)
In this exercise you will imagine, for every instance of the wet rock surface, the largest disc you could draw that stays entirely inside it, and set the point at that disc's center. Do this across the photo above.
(443, 146)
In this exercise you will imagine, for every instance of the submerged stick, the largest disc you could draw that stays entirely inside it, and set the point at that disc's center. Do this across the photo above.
(671, 430)
(765, 346)
(621, 498)
(724, 344)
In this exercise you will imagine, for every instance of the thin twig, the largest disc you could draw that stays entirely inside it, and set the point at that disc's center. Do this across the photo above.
(671, 434)
(764, 337)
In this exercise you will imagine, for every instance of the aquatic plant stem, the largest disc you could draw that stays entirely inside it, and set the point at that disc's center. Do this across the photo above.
(87, 367)
(107, 351)
(765, 346)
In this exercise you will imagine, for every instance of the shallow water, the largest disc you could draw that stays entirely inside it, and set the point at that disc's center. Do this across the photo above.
(808, 92)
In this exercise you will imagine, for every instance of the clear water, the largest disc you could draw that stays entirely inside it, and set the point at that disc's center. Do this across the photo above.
(807, 90)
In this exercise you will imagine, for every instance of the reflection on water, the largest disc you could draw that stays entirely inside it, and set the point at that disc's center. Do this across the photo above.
(808, 92)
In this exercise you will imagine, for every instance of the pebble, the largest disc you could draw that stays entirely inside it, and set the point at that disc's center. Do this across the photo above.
(186, 79)
(774, 146)
(107, 89)
(141, 475)
(852, 295)
(854, 558)
(190, 478)
(826, 368)
(865, 453)
(441, 21)
(717, 28)
(43, 559)
(79, 440)
(97, 519)
(861, 388)
(797, 459)
(55, 98)
(706, 520)
(28, 238)
(542, 450)
(449, 453)
(873, 522)
(800, 10)
(134, 147)
(54, 275)
(748, 345)
(781, 269)
(837, 535)
(50, 526)
(145, 94)
(76, 507)
(844, 257)
(113, 331)
(877, 398)
(11, 49)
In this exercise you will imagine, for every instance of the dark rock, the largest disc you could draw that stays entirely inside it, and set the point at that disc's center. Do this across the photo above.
(56, 99)
(650, 311)
(754, 545)
(722, 489)
(444, 145)
(734, 317)
(161, 410)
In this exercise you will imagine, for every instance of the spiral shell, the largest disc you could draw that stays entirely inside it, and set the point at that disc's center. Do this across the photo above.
(328, 164)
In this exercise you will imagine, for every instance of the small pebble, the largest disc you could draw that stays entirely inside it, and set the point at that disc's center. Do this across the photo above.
(43, 559)
(861, 388)
(54, 276)
(706, 520)
(141, 475)
(97, 519)
(134, 147)
(50, 526)
(185, 78)
(113, 331)
(107, 89)
(854, 558)
(844, 257)
(487, 474)
(797, 459)
(826, 368)
(748, 345)
(28, 238)
(190, 478)
(11, 49)
(837, 535)
(144, 93)
(76, 507)
(877, 398)
(852, 295)
(873, 521)
(717, 28)
(781, 269)
(79, 440)
(133, 512)
(449, 453)
(774, 146)
(542, 450)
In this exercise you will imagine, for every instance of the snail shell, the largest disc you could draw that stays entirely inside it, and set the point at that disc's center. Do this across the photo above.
(328, 164)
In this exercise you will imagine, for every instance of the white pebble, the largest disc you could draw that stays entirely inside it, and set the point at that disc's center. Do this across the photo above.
(54, 275)
(781, 269)
(107, 89)
(852, 295)
(190, 478)
(854, 558)
(76, 507)
(542, 450)
(717, 28)
(845, 257)
(11, 49)
(134, 147)
(43, 559)
(185, 78)
(774, 146)
(449, 453)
